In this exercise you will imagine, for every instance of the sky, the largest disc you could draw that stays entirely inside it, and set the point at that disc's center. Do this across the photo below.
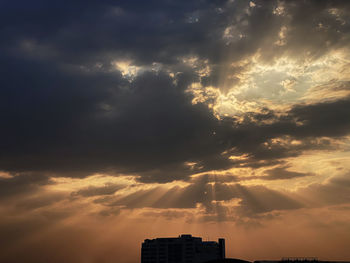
(131, 119)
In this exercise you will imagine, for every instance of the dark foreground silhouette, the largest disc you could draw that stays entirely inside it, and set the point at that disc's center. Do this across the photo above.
(189, 249)
(228, 260)
(236, 260)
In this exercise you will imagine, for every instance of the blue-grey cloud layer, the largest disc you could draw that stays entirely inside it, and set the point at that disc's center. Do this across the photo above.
(60, 113)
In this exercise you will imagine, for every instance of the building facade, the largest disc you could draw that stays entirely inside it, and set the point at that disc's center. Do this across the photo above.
(182, 249)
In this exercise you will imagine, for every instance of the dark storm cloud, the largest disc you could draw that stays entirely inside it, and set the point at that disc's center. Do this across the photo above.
(282, 173)
(79, 123)
(308, 123)
(323, 119)
(86, 32)
(84, 123)
(93, 30)
(56, 121)
(67, 111)
(107, 189)
(278, 173)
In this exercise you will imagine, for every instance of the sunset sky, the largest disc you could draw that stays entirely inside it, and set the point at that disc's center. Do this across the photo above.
(123, 120)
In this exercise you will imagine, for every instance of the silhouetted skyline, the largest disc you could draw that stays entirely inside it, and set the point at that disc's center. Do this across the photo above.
(182, 249)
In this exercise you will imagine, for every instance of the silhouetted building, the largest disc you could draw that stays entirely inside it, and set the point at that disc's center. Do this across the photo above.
(182, 249)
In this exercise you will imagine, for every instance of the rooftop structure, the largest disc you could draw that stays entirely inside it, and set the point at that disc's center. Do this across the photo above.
(182, 249)
(299, 260)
